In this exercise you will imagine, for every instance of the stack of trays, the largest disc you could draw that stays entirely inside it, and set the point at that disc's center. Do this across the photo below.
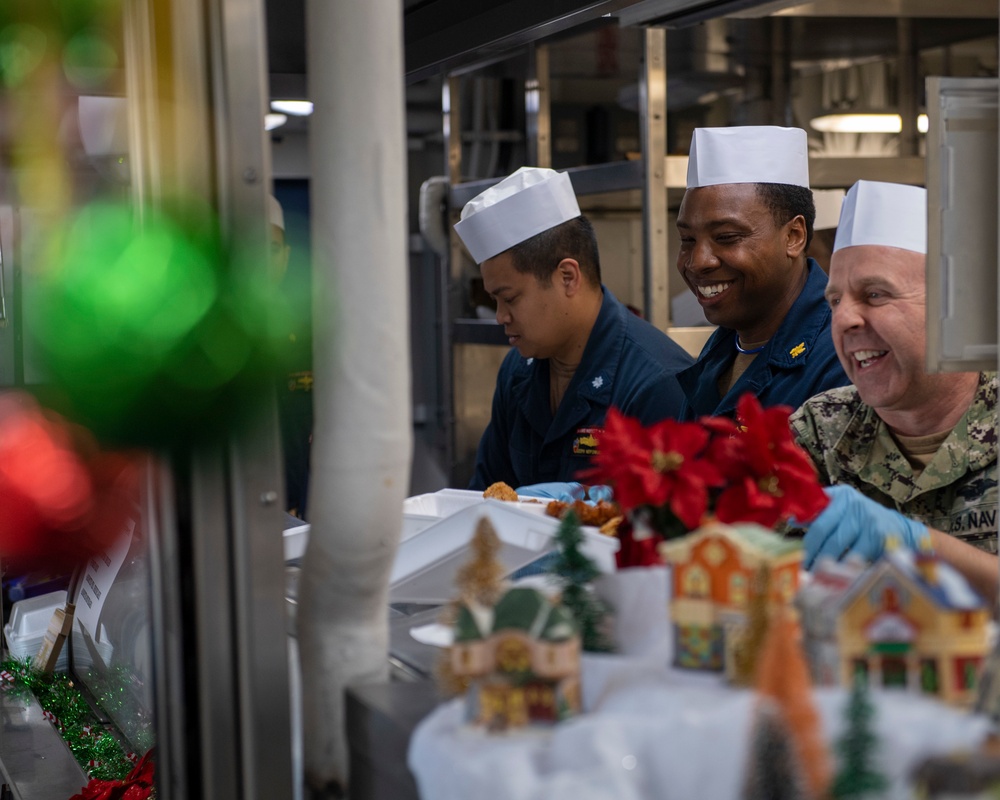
(29, 619)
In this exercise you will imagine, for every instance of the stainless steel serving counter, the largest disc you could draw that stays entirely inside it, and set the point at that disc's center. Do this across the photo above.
(36, 763)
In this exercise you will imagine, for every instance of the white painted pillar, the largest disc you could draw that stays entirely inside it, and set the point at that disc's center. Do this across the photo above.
(362, 436)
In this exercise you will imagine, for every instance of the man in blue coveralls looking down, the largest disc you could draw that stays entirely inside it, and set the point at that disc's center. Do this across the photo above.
(576, 350)
(744, 224)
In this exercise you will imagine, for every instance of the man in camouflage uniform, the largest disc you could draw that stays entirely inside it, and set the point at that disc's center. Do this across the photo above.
(923, 445)
(956, 492)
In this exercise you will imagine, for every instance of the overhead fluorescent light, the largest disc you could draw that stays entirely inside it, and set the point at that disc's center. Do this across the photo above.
(864, 123)
(272, 121)
(297, 108)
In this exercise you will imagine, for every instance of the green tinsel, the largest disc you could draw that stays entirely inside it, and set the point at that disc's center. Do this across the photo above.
(97, 751)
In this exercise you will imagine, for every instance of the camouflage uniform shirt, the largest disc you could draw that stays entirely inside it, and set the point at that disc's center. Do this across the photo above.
(956, 492)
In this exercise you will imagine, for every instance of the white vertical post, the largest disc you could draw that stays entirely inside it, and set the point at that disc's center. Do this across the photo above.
(362, 436)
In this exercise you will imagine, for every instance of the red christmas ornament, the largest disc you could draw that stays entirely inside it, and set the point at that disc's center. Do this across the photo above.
(62, 497)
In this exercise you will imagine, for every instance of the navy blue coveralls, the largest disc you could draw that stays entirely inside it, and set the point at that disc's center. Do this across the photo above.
(798, 361)
(627, 363)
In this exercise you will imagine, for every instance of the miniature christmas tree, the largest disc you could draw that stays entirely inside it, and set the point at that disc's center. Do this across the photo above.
(857, 777)
(758, 620)
(782, 676)
(479, 581)
(574, 571)
(774, 772)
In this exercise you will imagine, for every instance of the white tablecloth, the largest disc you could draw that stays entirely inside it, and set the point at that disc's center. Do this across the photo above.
(657, 733)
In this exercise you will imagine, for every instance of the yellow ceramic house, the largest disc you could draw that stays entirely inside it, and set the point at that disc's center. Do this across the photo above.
(712, 570)
(912, 621)
(523, 659)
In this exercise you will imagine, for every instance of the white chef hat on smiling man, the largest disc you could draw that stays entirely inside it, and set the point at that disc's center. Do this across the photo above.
(886, 214)
(522, 205)
(748, 154)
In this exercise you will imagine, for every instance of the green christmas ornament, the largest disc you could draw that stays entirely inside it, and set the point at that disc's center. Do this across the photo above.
(147, 331)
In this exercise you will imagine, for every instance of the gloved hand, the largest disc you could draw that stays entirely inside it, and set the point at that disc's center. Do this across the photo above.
(852, 523)
(566, 492)
(599, 493)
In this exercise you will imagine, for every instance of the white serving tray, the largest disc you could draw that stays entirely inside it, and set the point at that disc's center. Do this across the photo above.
(423, 510)
(426, 562)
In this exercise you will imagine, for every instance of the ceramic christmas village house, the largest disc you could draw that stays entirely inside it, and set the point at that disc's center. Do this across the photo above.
(818, 604)
(522, 658)
(912, 621)
(713, 570)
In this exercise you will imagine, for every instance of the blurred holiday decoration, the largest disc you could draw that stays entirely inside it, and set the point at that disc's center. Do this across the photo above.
(961, 775)
(139, 784)
(479, 581)
(747, 649)
(155, 333)
(516, 650)
(857, 777)
(716, 578)
(912, 621)
(671, 476)
(818, 604)
(95, 749)
(62, 497)
(787, 723)
(574, 572)
(51, 52)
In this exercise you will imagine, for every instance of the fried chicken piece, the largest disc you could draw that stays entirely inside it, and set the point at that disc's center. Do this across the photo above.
(610, 528)
(500, 491)
(594, 516)
(555, 508)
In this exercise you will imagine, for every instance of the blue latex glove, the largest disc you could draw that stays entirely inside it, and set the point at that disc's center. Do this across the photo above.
(600, 493)
(852, 523)
(566, 492)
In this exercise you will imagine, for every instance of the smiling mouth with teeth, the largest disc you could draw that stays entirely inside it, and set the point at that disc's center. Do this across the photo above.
(866, 358)
(714, 290)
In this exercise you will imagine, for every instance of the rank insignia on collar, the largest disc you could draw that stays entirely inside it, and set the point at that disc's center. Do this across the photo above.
(798, 350)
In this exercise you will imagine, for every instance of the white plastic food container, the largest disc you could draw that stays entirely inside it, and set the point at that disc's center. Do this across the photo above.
(29, 619)
(426, 563)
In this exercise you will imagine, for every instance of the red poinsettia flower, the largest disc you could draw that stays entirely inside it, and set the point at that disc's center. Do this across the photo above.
(637, 552)
(663, 464)
(668, 476)
(779, 479)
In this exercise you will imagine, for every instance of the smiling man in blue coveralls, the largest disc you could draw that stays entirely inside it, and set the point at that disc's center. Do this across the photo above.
(745, 223)
(576, 350)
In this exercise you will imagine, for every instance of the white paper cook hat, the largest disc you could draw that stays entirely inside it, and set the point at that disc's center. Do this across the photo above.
(887, 214)
(748, 154)
(274, 213)
(522, 205)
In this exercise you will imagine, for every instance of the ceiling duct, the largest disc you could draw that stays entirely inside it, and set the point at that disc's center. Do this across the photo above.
(700, 65)
(683, 13)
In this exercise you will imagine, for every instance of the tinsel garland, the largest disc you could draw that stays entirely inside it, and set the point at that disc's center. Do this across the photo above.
(96, 750)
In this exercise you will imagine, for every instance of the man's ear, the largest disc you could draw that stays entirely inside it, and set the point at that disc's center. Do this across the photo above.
(568, 276)
(795, 236)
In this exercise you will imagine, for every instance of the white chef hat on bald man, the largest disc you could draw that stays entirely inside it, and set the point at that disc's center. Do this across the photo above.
(274, 213)
(522, 205)
(886, 214)
(748, 154)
